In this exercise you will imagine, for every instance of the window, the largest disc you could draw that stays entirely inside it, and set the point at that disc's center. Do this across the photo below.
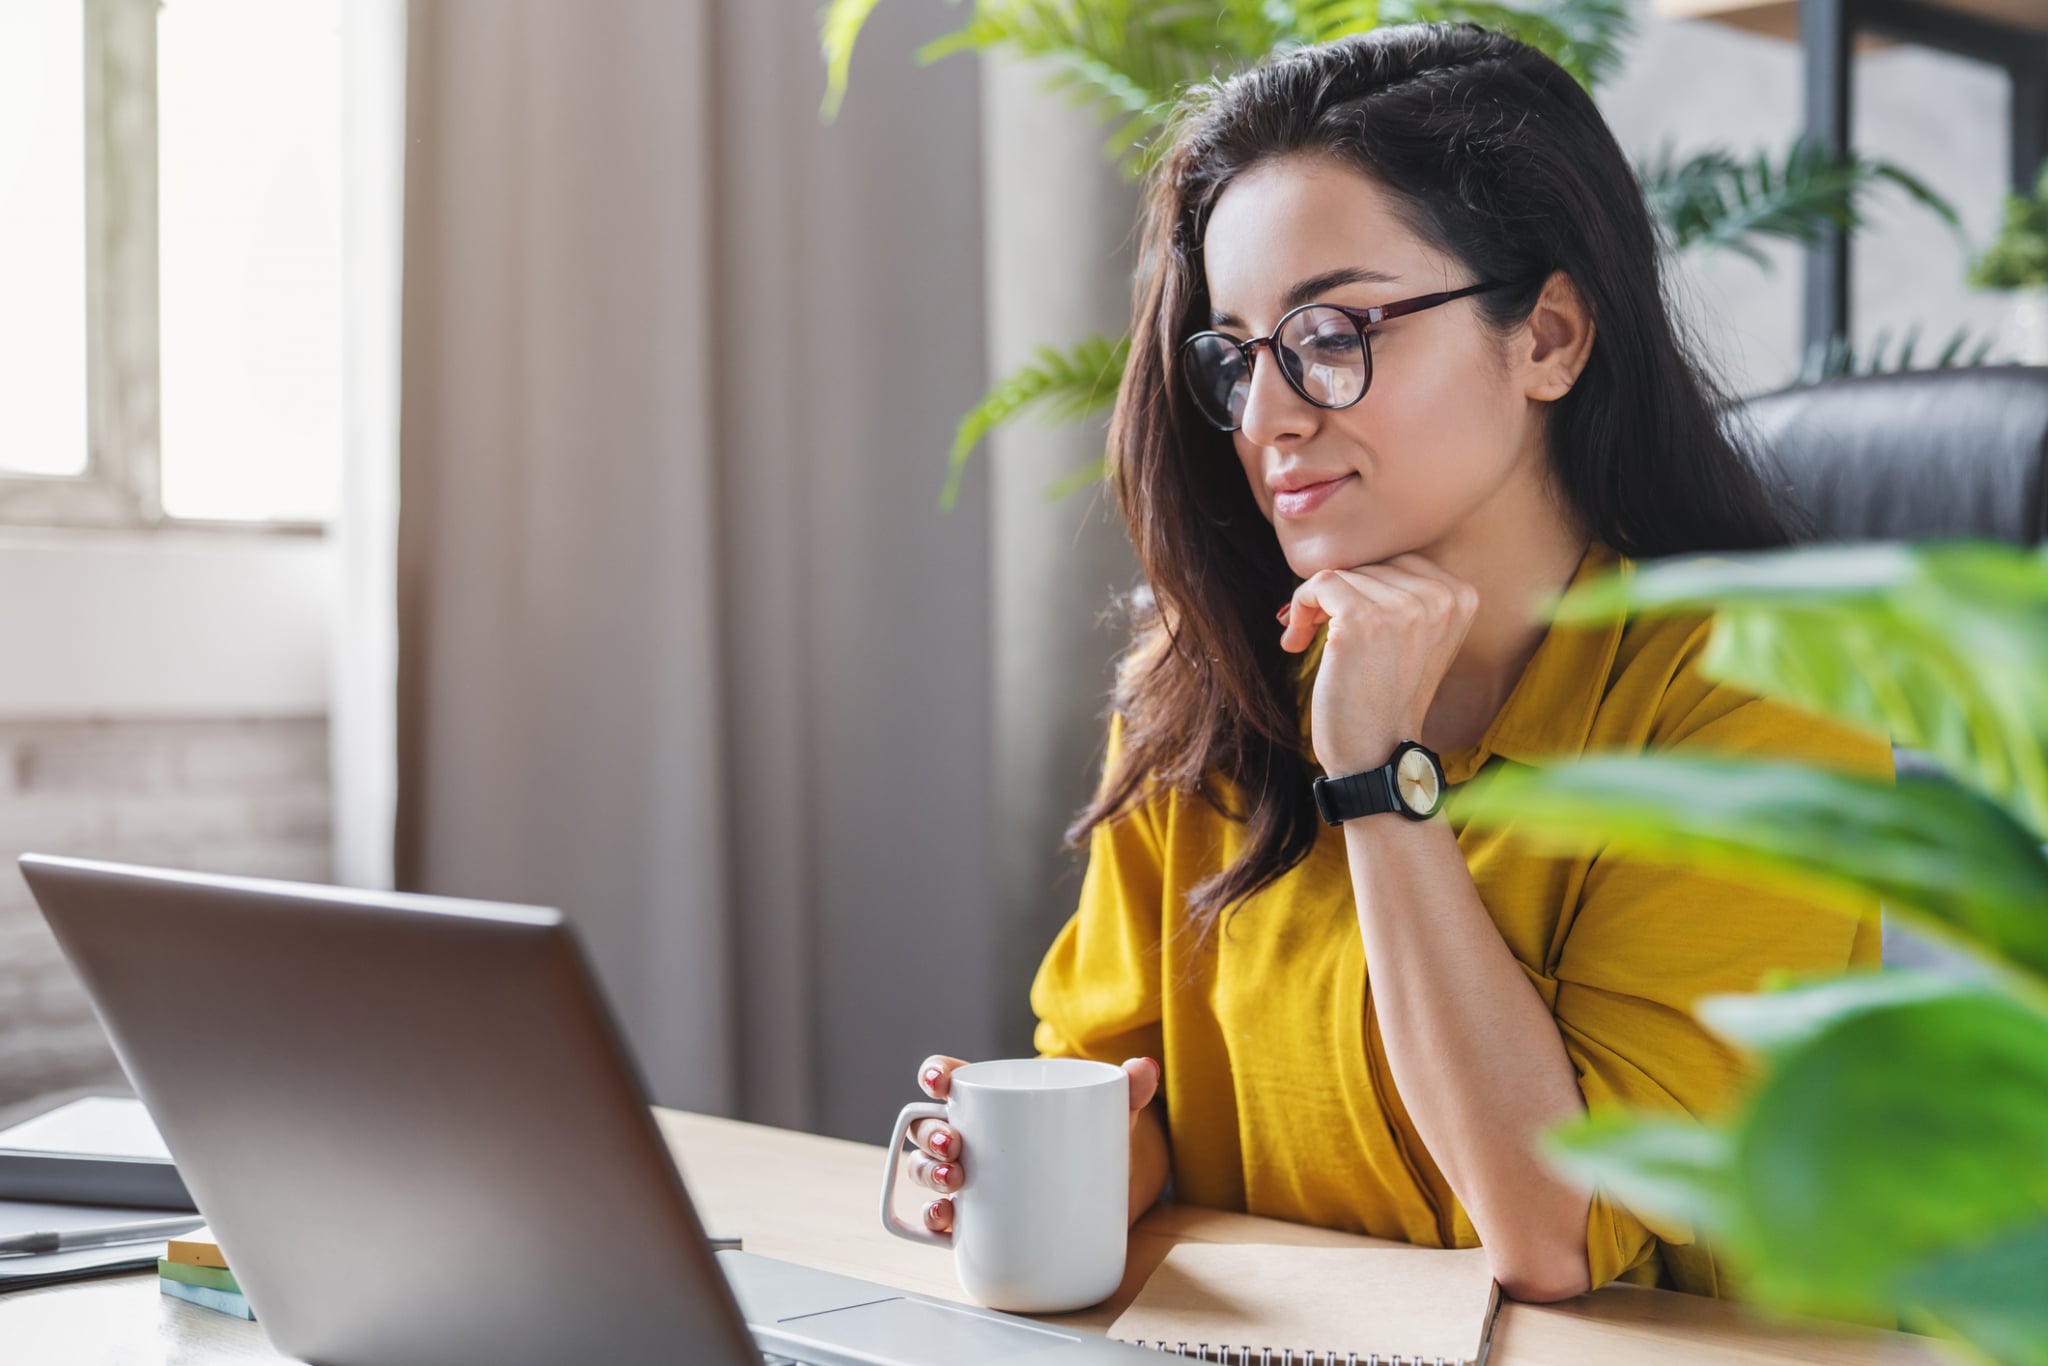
(177, 354)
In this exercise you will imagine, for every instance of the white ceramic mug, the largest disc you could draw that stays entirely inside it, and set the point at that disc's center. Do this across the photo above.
(1041, 1224)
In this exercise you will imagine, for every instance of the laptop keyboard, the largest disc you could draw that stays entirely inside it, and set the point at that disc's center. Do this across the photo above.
(773, 1359)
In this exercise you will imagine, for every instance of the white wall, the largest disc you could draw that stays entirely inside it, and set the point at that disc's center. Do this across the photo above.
(171, 624)
(163, 701)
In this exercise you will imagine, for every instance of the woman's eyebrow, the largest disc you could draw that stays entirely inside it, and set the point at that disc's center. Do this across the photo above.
(1307, 289)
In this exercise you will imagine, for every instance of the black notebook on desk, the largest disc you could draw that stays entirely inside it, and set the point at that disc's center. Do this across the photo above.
(103, 1150)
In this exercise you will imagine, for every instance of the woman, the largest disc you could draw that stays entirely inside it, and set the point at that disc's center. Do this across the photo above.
(1409, 281)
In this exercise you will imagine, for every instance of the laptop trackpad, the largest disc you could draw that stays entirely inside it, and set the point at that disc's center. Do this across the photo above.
(918, 1333)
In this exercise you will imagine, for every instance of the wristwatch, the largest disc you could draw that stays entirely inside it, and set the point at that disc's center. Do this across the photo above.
(1412, 783)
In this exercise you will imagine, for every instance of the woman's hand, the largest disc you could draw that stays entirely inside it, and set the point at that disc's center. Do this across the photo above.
(1394, 630)
(938, 1162)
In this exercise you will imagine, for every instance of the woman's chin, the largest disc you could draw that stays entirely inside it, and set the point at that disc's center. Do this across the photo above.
(1310, 555)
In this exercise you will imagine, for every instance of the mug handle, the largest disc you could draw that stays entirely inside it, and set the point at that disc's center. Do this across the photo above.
(893, 1162)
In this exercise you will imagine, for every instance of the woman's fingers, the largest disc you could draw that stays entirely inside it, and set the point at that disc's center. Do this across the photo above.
(935, 1074)
(1406, 583)
(1422, 580)
(933, 1174)
(1145, 1075)
(1319, 598)
(936, 1137)
(1409, 572)
(933, 1136)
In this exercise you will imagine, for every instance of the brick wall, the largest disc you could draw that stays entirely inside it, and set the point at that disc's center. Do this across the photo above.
(246, 797)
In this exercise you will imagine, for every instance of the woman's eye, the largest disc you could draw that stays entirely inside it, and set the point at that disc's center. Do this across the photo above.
(1334, 343)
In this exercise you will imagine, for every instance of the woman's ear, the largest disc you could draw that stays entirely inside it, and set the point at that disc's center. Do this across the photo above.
(1557, 339)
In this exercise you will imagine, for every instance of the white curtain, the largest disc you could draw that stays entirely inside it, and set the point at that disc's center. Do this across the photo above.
(685, 646)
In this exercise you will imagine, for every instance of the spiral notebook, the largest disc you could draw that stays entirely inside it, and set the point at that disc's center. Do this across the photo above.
(1250, 1303)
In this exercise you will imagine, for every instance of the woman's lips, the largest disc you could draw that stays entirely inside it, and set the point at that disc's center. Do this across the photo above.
(1301, 502)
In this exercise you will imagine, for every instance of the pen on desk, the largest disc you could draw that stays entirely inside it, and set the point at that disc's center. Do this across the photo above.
(723, 1244)
(107, 1235)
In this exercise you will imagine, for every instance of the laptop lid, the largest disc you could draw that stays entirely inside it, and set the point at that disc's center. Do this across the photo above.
(410, 1121)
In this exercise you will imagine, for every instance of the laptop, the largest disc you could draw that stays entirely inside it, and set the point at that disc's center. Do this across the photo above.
(414, 1127)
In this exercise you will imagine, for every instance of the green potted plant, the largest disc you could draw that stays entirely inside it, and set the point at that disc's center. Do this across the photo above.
(1891, 1160)
(2017, 260)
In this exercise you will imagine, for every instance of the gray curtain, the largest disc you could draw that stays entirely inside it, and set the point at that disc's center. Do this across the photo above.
(685, 646)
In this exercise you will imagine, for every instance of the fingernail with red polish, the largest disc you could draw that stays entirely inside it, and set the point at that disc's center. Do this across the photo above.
(939, 1142)
(942, 1175)
(931, 1076)
(1285, 612)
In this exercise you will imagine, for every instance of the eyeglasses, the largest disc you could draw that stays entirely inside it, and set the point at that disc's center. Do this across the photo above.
(1323, 351)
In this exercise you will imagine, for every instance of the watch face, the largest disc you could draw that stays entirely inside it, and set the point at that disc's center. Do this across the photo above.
(1416, 778)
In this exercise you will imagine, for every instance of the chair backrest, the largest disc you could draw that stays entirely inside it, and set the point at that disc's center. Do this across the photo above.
(1915, 455)
(1918, 455)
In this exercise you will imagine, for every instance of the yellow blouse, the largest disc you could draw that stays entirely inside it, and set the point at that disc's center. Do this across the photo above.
(1279, 1098)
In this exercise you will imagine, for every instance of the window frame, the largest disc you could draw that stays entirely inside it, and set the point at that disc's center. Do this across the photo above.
(121, 488)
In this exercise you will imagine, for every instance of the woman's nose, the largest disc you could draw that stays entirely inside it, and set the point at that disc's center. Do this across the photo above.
(1273, 411)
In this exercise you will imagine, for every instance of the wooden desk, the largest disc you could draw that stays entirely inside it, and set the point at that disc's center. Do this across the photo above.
(811, 1200)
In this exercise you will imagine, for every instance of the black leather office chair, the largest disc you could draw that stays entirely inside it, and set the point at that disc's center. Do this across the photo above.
(1913, 456)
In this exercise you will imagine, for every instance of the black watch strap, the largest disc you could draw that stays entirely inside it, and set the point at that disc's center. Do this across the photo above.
(1356, 794)
(1376, 790)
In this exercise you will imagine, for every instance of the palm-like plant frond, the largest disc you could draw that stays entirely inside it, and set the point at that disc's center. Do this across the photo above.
(1837, 357)
(1126, 60)
(839, 24)
(1582, 36)
(1132, 60)
(1320, 21)
(1714, 199)
(1065, 386)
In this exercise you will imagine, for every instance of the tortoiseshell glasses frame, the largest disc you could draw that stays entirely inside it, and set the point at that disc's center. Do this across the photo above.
(1339, 376)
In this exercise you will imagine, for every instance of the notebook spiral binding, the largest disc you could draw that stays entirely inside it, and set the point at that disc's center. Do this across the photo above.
(1285, 1356)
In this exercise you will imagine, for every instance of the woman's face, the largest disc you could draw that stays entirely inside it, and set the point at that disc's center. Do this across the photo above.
(1447, 423)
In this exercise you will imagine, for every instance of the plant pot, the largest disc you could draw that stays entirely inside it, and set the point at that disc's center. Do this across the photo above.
(2030, 324)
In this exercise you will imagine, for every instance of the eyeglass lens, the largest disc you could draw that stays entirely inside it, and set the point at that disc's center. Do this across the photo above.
(1321, 350)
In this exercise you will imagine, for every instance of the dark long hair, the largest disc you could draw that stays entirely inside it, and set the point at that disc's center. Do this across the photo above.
(1497, 157)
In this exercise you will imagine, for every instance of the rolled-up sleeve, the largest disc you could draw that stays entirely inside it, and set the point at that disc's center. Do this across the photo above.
(1097, 991)
(1649, 939)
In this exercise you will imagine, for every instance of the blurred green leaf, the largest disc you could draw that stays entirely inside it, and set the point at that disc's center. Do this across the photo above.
(1837, 357)
(1785, 1016)
(839, 24)
(1943, 646)
(1933, 851)
(1677, 1168)
(2018, 256)
(1714, 199)
(1088, 475)
(1584, 36)
(1896, 1138)
(1996, 1295)
(1127, 60)
(1890, 1163)
(1067, 386)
